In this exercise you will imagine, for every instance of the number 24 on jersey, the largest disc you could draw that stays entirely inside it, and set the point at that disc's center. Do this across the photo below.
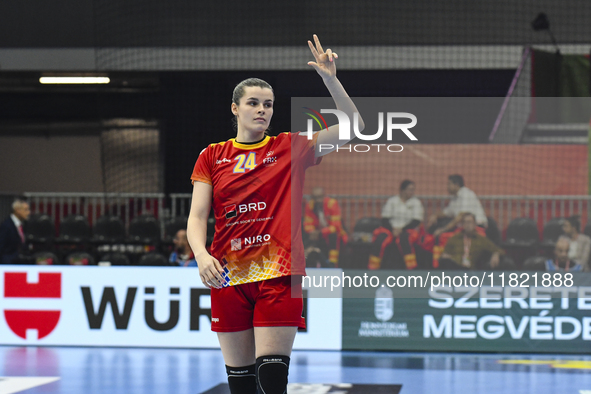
(245, 163)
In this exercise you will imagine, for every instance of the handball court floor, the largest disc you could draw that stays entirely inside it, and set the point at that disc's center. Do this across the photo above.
(183, 371)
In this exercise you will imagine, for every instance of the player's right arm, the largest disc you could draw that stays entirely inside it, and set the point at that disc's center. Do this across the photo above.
(210, 270)
(324, 64)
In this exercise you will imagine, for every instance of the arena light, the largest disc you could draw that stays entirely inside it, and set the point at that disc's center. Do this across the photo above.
(74, 80)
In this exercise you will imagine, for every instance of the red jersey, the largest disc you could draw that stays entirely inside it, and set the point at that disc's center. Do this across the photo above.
(257, 202)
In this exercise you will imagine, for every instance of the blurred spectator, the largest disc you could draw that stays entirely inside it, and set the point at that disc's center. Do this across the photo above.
(463, 201)
(470, 250)
(580, 244)
(182, 254)
(561, 261)
(12, 237)
(404, 211)
(405, 214)
(323, 228)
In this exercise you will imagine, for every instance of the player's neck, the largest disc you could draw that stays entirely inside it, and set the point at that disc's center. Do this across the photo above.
(247, 137)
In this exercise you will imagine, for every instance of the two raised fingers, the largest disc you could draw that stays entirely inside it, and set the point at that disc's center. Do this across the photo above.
(317, 50)
(331, 55)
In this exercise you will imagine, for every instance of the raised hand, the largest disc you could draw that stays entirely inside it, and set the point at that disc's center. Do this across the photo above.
(325, 61)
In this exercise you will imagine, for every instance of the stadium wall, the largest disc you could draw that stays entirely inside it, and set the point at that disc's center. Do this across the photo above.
(178, 23)
(42, 164)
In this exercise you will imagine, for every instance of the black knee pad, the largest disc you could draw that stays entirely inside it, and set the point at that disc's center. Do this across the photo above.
(272, 374)
(242, 380)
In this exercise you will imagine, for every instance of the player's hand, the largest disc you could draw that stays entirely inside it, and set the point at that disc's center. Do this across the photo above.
(325, 61)
(438, 232)
(210, 271)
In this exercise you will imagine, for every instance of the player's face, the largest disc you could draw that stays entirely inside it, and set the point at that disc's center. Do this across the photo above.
(180, 239)
(468, 224)
(22, 212)
(255, 110)
(452, 188)
(408, 192)
(318, 195)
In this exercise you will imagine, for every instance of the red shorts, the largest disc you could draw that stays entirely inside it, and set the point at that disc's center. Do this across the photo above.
(268, 303)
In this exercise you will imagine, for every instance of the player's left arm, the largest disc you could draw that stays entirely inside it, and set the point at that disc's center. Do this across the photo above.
(326, 68)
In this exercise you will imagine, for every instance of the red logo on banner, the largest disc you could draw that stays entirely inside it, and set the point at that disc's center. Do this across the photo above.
(19, 321)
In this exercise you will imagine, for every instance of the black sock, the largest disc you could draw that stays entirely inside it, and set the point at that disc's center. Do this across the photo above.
(242, 380)
(272, 374)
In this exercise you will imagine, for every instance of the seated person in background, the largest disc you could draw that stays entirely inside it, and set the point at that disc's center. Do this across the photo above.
(404, 211)
(580, 244)
(323, 228)
(463, 201)
(405, 214)
(470, 250)
(182, 254)
(561, 261)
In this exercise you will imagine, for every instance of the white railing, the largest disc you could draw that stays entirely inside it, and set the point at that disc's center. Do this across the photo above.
(180, 204)
(502, 209)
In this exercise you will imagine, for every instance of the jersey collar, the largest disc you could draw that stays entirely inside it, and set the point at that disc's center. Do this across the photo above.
(249, 146)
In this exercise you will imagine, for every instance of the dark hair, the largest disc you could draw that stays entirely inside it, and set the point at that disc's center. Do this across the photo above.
(469, 214)
(239, 92)
(239, 89)
(574, 221)
(405, 183)
(456, 180)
